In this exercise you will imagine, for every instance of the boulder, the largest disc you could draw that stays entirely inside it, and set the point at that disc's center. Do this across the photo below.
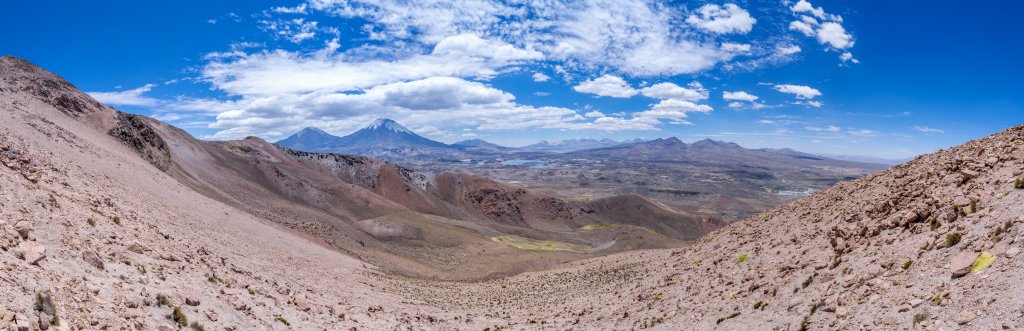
(961, 263)
(965, 316)
(24, 228)
(192, 300)
(136, 248)
(300, 302)
(93, 259)
(30, 251)
(21, 322)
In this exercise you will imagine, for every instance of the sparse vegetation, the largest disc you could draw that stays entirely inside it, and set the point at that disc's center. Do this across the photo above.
(953, 238)
(723, 319)
(251, 292)
(179, 317)
(920, 317)
(195, 326)
(1018, 183)
(44, 304)
(807, 282)
(281, 319)
(906, 265)
(117, 220)
(141, 269)
(161, 300)
(212, 278)
(91, 221)
(760, 305)
(741, 258)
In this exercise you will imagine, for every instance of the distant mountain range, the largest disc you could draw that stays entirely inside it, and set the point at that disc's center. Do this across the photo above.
(388, 140)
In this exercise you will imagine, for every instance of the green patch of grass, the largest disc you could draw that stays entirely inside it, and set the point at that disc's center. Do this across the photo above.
(599, 225)
(538, 245)
(953, 238)
(741, 258)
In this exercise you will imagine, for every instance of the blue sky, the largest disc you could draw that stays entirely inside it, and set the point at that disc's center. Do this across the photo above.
(881, 78)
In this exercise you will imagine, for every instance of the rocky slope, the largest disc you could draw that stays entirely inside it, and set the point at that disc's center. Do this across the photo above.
(94, 236)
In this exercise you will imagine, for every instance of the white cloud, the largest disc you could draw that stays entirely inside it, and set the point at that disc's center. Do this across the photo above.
(834, 35)
(728, 19)
(300, 9)
(830, 128)
(594, 114)
(295, 30)
(847, 56)
(863, 133)
(802, 27)
(131, 97)
(801, 91)
(804, 6)
(469, 45)
(735, 48)
(739, 95)
(927, 130)
(540, 77)
(828, 31)
(641, 38)
(788, 50)
(275, 72)
(606, 86)
(668, 90)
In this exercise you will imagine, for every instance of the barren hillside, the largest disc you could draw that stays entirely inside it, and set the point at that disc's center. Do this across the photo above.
(97, 235)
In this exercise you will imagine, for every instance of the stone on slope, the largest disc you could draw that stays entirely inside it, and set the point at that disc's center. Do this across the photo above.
(30, 251)
(24, 228)
(93, 259)
(961, 263)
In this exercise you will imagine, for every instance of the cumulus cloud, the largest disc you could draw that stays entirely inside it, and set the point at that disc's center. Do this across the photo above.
(739, 95)
(540, 77)
(131, 97)
(834, 35)
(606, 86)
(826, 28)
(722, 19)
(667, 90)
(800, 91)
